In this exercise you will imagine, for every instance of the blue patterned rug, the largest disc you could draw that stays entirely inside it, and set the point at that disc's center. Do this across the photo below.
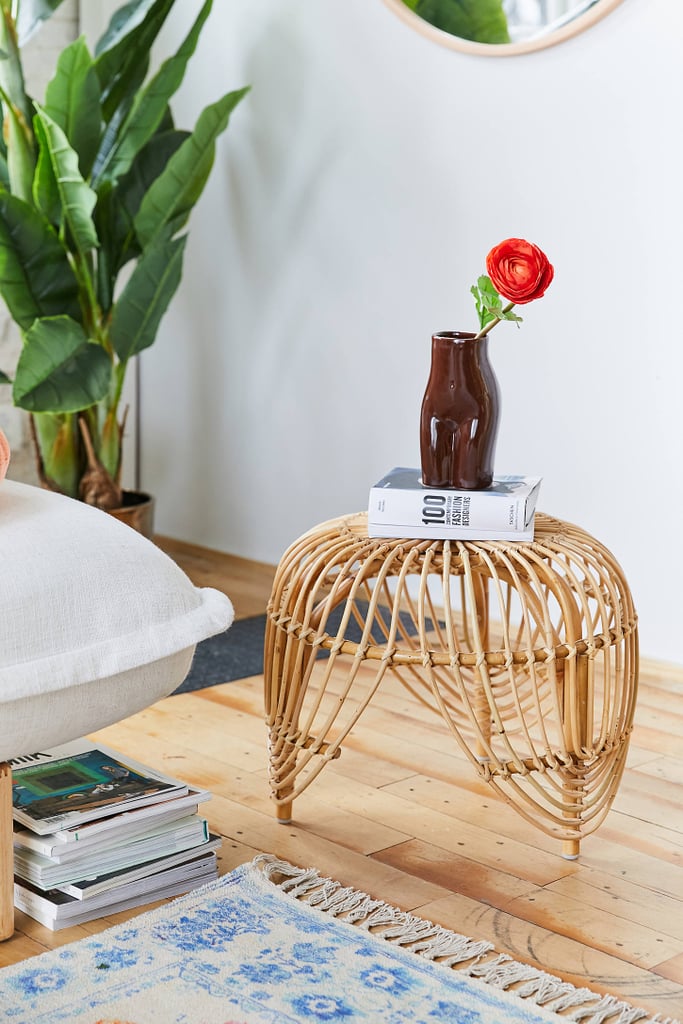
(243, 950)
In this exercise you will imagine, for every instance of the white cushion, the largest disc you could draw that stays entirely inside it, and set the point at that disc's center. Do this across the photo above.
(96, 622)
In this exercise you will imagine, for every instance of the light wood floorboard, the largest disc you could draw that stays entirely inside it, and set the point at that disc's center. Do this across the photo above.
(400, 816)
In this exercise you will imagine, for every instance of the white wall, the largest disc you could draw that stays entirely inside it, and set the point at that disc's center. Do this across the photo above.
(355, 195)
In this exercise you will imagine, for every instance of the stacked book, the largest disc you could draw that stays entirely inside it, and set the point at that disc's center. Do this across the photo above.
(96, 833)
(401, 506)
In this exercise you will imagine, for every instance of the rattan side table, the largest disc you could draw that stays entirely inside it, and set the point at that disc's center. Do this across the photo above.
(528, 651)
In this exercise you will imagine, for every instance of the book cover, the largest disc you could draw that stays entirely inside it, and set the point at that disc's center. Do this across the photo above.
(400, 503)
(79, 782)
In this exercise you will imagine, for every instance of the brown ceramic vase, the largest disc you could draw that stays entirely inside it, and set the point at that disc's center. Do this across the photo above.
(460, 414)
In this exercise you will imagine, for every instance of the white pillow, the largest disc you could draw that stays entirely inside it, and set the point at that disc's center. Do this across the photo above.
(96, 622)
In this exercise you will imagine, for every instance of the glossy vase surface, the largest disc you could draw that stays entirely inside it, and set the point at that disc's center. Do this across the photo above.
(460, 414)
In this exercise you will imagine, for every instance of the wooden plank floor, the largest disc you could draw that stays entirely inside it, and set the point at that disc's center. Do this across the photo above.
(400, 816)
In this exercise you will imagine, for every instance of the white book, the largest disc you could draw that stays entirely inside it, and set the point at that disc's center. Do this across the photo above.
(57, 910)
(77, 782)
(103, 833)
(401, 506)
(171, 838)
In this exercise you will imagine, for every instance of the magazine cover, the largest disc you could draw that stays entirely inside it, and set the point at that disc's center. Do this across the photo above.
(78, 782)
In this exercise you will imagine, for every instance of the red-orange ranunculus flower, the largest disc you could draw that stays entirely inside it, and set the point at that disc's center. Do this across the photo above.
(519, 270)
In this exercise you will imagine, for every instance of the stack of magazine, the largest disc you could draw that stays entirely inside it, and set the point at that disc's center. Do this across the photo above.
(96, 832)
(401, 506)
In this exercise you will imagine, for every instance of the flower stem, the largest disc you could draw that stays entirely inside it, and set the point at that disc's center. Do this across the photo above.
(492, 323)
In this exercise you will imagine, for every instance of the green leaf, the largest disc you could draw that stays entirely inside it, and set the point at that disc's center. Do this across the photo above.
(21, 156)
(488, 301)
(44, 192)
(77, 199)
(123, 21)
(18, 110)
(122, 55)
(4, 171)
(150, 106)
(482, 21)
(4, 379)
(59, 447)
(60, 369)
(11, 68)
(148, 165)
(117, 206)
(507, 314)
(109, 446)
(146, 297)
(172, 196)
(32, 13)
(36, 278)
(72, 100)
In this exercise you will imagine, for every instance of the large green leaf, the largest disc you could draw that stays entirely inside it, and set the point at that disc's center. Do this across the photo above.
(36, 278)
(117, 206)
(45, 193)
(11, 69)
(122, 60)
(147, 167)
(109, 444)
(76, 197)
(146, 297)
(60, 450)
(21, 156)
(171, 197)
(72, 100)
(18, 111)
(32, 13)
(4, 172)
(123, 20)
(482, 21)
(60, 369)
(150, 106)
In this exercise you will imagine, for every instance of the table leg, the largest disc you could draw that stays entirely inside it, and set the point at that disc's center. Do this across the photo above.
(6, 854)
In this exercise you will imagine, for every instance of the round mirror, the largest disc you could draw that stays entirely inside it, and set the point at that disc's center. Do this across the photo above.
(500, 28)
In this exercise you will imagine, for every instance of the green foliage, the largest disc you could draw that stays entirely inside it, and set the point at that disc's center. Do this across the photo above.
(489, 303)
(32, 13)
(92, 178)
(482, 21)
(59, 369)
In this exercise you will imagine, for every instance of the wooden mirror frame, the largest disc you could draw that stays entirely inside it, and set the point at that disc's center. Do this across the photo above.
(437, 35)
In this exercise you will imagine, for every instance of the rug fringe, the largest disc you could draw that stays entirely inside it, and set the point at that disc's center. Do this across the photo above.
(433, 942)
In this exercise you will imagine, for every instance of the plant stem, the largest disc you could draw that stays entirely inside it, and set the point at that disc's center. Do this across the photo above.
(492, 323)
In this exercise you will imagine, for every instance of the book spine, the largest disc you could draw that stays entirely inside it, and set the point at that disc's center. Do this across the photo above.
(453, 509)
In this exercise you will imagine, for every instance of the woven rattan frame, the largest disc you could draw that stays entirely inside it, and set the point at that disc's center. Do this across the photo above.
(529, 652)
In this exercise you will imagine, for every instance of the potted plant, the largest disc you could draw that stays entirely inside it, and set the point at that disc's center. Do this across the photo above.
(94, 181)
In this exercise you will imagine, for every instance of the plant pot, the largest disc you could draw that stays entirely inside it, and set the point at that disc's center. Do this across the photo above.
(137, 511)
(460, 414)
